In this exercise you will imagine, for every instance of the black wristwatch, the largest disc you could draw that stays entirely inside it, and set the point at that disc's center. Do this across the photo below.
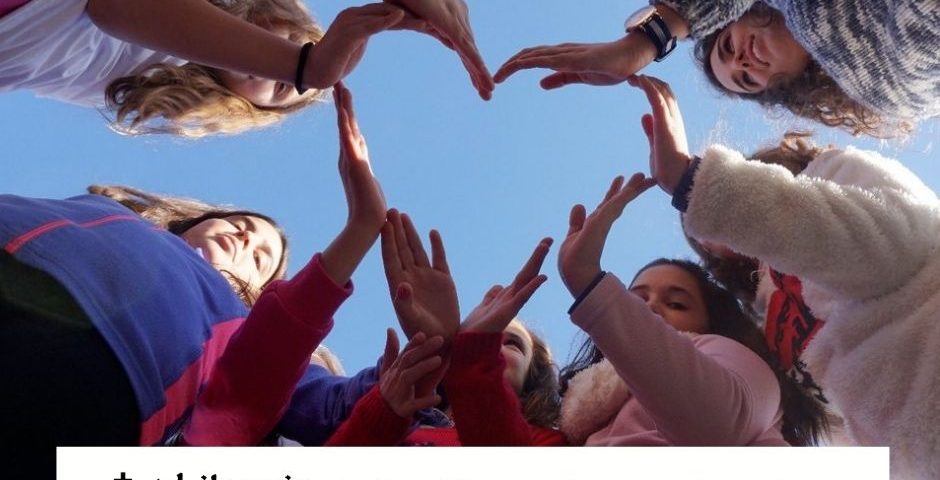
(651, 23)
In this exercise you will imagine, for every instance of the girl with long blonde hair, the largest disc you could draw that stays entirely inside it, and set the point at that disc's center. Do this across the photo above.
(195, 67)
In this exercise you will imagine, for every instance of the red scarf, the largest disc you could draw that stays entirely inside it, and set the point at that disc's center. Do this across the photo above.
(790, 323)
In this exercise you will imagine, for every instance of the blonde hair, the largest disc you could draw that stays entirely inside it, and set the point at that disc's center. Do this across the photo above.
(178, 214)
(190, 101)
(325, 358)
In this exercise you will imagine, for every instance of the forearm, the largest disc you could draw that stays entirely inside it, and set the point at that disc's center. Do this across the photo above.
(343, 255)
(197, 31)
(672, 378)
(268, 354)
(854, 223)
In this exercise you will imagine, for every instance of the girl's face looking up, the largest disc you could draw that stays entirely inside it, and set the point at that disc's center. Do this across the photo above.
(247, 247)
(751, 55)
(673, 294)
(517, 351)
(261, 92)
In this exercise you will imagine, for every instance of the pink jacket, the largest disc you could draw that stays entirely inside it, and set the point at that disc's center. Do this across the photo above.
(676, 389)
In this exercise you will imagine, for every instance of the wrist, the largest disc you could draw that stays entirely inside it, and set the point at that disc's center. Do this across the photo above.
(344, 254)
(638, 44)
(578, 282)
(677, 25)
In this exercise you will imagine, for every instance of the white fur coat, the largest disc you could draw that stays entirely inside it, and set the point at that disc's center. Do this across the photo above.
(862, 233)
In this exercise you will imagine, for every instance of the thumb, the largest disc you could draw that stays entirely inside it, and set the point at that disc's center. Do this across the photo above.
(576, 219)
(404, 297)
(391, 350)
(647, 122)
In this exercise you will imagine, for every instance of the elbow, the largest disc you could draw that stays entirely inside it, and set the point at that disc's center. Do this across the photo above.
(107, 15)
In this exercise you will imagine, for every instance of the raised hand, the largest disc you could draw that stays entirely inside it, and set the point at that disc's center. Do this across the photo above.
(448, 21)
(422, 290)
(665, 131)
(579, 259)
(500, 305)
(588, 63)
(344, 43)
(407, 381)
(363, 192)
(363, 195)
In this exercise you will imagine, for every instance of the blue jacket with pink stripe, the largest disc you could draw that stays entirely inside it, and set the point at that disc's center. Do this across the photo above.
(163, 310)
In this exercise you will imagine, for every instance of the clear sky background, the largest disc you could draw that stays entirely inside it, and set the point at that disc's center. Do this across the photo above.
(494, 177)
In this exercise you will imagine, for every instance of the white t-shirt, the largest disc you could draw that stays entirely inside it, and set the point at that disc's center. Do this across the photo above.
(52, 48)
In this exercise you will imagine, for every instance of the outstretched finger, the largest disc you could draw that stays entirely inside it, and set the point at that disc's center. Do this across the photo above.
(614, 188)
(522, 296)
(438, 254)
(638, 184)
(391, 349)
(576, 219)
(561, 79)
(415, 352)
(646, 121)
(654, 97)
(474, 64)
(423, 367)
(533, 265)
(390, 259)
(401, 240)
(491, 294)
(414, 241)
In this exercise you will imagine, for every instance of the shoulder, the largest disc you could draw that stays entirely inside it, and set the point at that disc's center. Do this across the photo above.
(868, 170)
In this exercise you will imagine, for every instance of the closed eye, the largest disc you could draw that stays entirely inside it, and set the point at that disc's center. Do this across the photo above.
(748, 81)
(515, 343)
(726, 44)
(677, 306)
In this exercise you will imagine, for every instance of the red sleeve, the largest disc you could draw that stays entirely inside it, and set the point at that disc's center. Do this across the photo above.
(372, 423)
(253, 380)
(485, 408)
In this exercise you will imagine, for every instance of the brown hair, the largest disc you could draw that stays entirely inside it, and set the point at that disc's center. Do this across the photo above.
(803, 420)
(178, 214)
(540, 401)
(813, 94)
(190, 101)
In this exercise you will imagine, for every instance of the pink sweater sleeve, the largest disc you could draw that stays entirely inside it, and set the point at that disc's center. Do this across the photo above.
(255, 377)
(706, 390)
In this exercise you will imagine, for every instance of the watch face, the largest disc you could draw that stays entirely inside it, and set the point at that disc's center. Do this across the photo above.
(639, 17)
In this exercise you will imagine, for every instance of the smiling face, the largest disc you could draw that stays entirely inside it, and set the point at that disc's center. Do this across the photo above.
(751, 55)
(517, 351)
(246, 247)
(674, 294)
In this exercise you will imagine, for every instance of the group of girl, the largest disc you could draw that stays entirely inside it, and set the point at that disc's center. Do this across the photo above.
(168, 321)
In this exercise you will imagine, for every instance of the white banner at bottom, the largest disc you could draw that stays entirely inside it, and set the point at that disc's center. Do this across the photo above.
(467, 463)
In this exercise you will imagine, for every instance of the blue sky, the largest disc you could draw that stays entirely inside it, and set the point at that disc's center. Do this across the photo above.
(494, 177)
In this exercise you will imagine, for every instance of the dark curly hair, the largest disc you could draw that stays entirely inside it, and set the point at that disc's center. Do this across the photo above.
(813, 94)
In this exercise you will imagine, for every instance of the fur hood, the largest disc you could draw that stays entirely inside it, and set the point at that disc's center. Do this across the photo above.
(594, 397)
